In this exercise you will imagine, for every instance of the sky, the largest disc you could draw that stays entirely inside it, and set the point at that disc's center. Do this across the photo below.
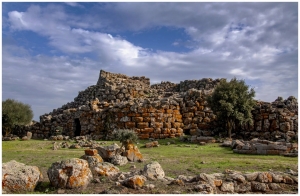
(51, 51)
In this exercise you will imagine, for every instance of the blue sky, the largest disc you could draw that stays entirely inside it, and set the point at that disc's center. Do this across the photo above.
(51, 51)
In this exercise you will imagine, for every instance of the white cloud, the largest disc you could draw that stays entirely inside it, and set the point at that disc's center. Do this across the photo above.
(250, 41)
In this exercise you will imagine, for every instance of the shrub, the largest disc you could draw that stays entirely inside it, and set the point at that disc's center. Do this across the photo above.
(125, 136)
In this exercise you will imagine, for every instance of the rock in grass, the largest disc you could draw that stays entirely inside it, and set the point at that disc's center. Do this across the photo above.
(72, 173)
(135, 182)
(119, 160)
(105, 169)
(153, 171)
(18, 177)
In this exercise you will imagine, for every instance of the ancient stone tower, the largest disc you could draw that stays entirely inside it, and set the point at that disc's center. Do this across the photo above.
(161, 110)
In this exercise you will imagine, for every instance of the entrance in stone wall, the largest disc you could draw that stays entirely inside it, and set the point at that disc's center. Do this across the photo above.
(186, 131)
(77, 130)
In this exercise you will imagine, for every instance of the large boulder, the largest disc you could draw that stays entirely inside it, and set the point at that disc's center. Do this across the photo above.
(105, 169)
(107, 152)
(119, 160)
(135, 181)
(72, 173)
(18, 177)
(153, 171)
(152, 144)
(132, 153)
(93, 158)
(29, 135)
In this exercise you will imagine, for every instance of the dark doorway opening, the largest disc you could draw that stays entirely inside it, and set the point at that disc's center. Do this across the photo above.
(77, 127)
(186, 131)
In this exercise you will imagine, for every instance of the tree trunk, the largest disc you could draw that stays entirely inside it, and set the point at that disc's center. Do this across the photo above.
(229, 128)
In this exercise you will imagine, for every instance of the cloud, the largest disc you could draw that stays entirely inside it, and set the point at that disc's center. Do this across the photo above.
(252, 41)
(73, 4)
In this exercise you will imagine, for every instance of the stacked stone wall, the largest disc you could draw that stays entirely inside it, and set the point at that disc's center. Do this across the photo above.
(275, 121)
(160, 111)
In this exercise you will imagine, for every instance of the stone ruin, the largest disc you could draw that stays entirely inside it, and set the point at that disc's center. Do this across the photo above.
(158, 111)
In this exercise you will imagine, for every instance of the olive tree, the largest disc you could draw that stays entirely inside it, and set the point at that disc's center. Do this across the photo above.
(232, 102)
(15, 113)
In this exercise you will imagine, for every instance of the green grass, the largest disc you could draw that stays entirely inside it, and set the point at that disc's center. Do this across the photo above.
(175, 159)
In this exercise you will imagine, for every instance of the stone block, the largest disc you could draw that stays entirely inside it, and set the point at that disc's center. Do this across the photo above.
(187, 121)
(91, 152)
(137, 119)
(176, 112)
(273, 152)
(258, 187)
(142, 125)
(285, 126)
(147, 119)
(206, 120)
(188, 115)
(264, 177)
(168, 111)
(142, 110)
(147, 130)
(158, 125)
(133, 114)
(263, 152)
(144, 136)
(130, 125)
(277, 147)
(203, 126)
(151, 110)
(167, 125)
(177, 124)
(145, 114)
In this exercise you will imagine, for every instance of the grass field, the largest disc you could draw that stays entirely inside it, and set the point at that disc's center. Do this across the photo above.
(177, 158)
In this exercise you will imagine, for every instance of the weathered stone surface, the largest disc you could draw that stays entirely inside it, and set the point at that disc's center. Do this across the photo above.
(90, 152)
(75, 146)
(119, 160)
(274, 186)
(277, 178)
(93, 162)
(251, 176)
(264, 177)
(242, 187)
(236, 143)
(227, 187)
(288, 180)
(135, 182)
(258, 187)
(132, 153)
(60, 137)
(19, 178)
(237, 177)
(107, 152)
(207, 178)
(71, 173)
(153, 171)
(204, 189)
(105, 169)
(29, 135)
(226, 143)
(152, 144)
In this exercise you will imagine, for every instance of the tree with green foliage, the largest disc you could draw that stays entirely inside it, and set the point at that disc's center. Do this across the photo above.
(232, 102)
(15, 113)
